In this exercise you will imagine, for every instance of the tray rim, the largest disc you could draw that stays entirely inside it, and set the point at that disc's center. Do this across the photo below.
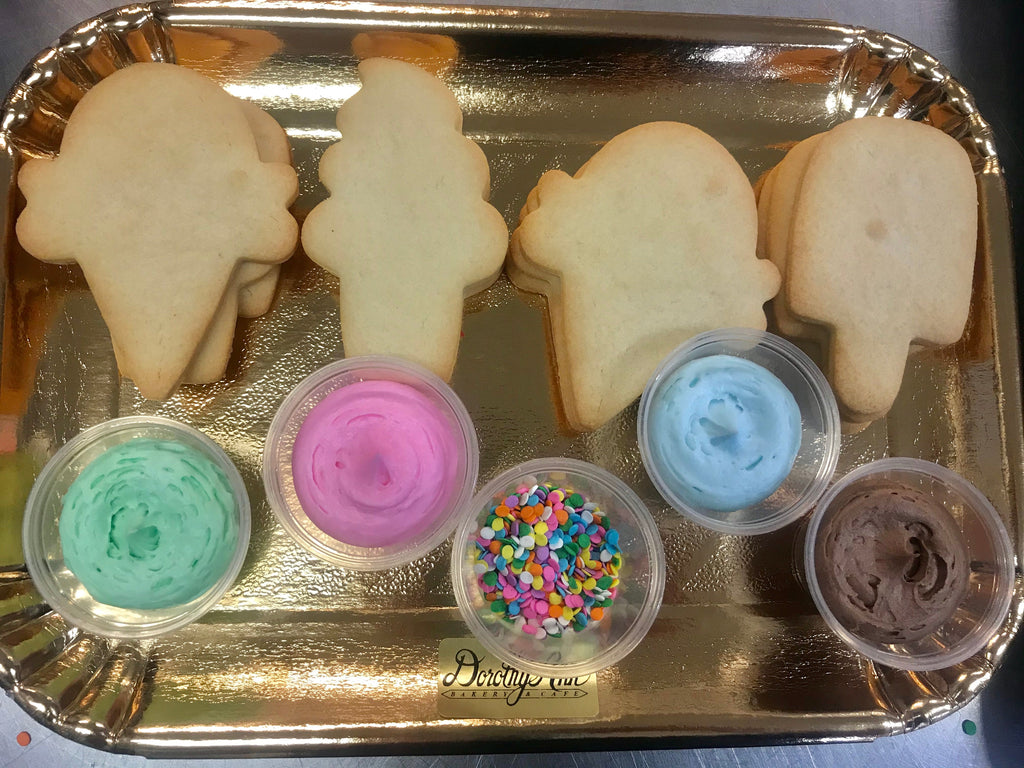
(994, 223)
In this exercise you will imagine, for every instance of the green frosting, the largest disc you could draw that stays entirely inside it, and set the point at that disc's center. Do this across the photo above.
(149, 524)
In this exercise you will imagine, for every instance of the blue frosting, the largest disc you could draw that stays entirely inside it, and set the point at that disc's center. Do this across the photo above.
(725, 432)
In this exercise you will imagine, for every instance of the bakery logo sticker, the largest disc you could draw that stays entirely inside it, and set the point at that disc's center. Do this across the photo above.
(472, 683)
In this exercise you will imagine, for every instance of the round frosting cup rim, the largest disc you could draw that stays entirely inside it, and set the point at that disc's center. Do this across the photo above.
(625, 495)
(1005, 565)
(295, 407)
(172, 617)
(816, 384)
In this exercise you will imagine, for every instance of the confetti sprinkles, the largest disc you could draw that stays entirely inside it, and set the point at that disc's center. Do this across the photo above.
(548, 560)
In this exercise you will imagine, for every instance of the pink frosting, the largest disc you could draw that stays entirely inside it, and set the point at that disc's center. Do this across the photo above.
(375, 463)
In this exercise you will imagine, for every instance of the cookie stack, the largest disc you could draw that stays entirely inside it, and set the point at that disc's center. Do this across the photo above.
(173, 198)
(650, 243)
(873, 226)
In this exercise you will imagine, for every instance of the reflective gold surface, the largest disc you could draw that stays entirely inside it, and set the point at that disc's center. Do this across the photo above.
(305, 657)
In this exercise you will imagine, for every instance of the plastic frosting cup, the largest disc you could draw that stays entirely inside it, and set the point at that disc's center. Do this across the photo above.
(368, 462)
(982, 606)
(739, 431)
(136, 527)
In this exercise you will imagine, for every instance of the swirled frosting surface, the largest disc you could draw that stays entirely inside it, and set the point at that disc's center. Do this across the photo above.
(375, 462)
(725, 432)
(149, 524)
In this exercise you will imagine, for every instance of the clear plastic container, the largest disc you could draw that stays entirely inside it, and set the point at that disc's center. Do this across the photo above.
(41, 536)
(642, 576)
(984, 606)
(280, 482)
(815, 461)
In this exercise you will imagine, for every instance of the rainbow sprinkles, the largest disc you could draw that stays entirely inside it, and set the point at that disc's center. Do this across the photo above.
(548, 561)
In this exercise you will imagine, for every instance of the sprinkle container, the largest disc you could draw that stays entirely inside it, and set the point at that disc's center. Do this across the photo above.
(534, 606)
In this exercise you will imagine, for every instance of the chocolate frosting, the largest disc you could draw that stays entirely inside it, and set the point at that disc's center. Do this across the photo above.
(894, 564)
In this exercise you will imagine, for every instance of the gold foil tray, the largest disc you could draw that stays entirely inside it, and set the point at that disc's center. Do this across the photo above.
(302, 657)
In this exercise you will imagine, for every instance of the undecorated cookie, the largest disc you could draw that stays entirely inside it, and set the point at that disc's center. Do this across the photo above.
(775, 208)
(161, 192)
(251, 289)
(652, 242)
(881, 252)
(407, 227)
